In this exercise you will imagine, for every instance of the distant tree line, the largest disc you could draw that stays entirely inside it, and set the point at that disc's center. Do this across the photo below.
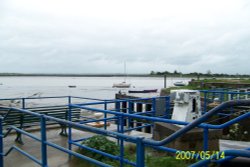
(197, 74)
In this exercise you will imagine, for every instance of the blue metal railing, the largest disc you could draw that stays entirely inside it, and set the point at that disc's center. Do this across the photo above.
(120, 116)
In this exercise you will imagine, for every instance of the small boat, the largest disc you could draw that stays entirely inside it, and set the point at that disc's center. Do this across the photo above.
(179, 83)
(121, 85)
(72, 86)
(143, 91)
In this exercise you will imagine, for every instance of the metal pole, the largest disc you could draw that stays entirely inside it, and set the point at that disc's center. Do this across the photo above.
(43, 142)
(205, 103)
(1, 143)
(117, 109)
(205, 139)
(69, 126)
(105, 115)
(130, 110)
(140, 153)
(154, 106)
(167, 105)
(23, 103)
(121, 141)
(165, 81)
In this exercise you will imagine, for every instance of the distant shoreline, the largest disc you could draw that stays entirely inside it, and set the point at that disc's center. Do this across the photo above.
(74, 75)
(123, 75)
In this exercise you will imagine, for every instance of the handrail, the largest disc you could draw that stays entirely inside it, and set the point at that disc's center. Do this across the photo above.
(79, 126)
(157, 119)
(223, 92)
(197, 122)
(138, 140)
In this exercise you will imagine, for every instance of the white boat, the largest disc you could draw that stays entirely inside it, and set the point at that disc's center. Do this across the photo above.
(179, 83)
(122, 84)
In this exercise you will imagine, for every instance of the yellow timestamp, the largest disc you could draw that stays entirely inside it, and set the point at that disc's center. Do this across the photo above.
(204, 155)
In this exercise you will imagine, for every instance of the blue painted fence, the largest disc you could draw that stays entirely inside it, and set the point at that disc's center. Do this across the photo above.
(113, 111)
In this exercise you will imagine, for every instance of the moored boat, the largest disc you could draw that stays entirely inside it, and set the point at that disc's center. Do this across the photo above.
(143, 91)
(179, 83)
(121, 85)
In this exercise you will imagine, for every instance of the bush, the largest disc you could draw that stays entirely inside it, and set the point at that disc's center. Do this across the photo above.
(100, 143)
(236, 132)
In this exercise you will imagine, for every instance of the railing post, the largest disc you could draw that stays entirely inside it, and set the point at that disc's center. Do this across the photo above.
(205, 103)
(154, 106)
(1, 142)
(105, 115)
(205, 139)
(140, 152)
(167, 105)
(43, 142)
(117, 109)
(121, 141)
(23, 103)
(130, 109)
(69, 126)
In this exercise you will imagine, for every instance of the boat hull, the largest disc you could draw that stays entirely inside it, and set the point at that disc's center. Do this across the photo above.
(143, 91)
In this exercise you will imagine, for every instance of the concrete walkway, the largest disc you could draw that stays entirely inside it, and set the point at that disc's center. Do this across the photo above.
(56, 158)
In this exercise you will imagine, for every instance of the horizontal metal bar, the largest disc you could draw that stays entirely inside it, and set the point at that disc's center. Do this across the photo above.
(76, 154)
(163, 148)
(96, 120)
(138, 127)
(41, 107)
(96, 151)
(81, 139)
(25, 154)
(86, 98)
(103, 153)
(48, 97)
(22, 110)
(26, 133)
(232, 121)
(222, 92)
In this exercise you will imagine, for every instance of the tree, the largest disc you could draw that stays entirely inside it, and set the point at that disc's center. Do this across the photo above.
(209, 72)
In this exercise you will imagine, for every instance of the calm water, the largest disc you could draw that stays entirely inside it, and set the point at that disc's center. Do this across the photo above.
(93, 87)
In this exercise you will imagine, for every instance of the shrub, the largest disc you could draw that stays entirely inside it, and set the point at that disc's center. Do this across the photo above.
(100, 143)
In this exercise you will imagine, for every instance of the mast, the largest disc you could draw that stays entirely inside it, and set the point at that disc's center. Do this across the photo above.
(125, 75)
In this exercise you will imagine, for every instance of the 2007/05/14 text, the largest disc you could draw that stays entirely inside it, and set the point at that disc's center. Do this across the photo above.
(204, 155)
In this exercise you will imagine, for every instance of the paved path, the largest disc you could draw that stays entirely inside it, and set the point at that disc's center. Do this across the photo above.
(56, 158)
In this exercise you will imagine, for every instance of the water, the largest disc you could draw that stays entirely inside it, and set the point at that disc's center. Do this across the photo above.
(92, 87)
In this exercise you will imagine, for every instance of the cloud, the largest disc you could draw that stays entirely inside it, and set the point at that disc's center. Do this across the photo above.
(97, 37)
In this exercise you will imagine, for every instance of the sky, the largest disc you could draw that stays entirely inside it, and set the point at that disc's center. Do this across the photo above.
(99, 36)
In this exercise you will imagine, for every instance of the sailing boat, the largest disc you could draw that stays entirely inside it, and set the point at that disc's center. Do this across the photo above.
(179, 83)
(122, 84)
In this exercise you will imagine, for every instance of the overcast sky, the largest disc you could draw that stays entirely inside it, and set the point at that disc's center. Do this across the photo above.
(98, 36)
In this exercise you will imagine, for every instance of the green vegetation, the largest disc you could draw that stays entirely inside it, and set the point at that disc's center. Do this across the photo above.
(208, 74)
(202, 84)
(236, 132)
(101, 143)
(232, 80)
